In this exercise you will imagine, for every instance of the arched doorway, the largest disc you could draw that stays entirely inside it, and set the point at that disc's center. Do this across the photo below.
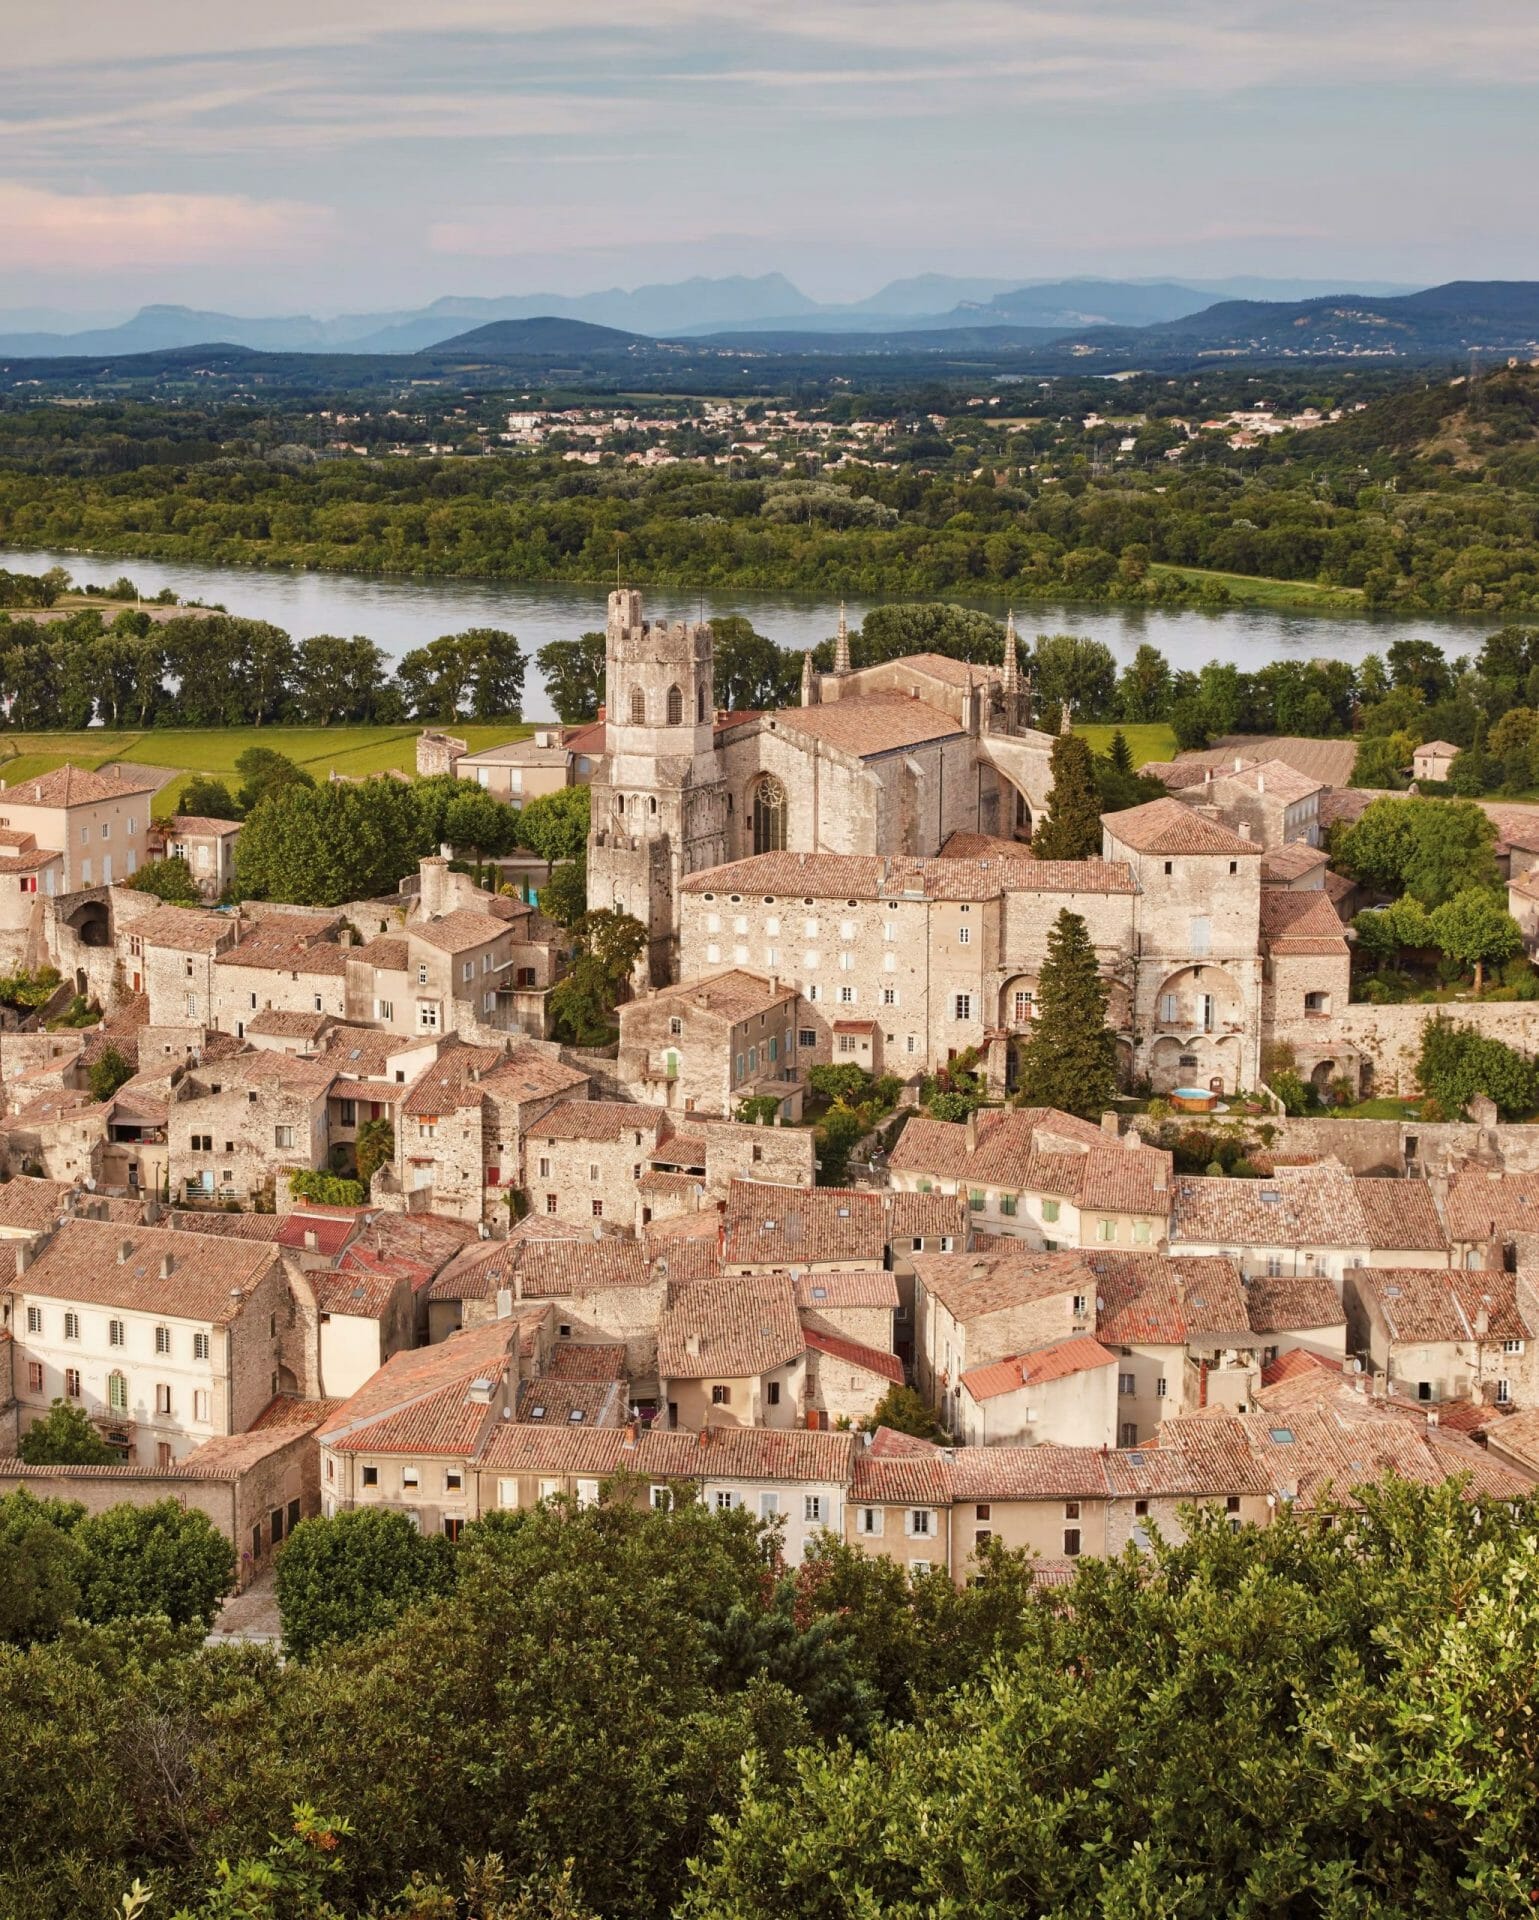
(768, 804)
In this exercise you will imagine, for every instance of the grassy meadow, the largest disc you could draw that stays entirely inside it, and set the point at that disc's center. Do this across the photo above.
(321, 751)
(1147, 740)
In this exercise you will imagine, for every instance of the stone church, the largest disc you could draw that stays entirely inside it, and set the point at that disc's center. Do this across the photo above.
(889, 759)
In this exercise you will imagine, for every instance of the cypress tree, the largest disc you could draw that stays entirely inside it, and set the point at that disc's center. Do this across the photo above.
(1072, 830)
(1120, 753)
(1069, 1061)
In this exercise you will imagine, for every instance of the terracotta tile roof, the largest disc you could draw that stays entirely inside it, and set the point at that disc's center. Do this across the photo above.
(71, 786)
(1289, 1303)
(33, 861)
(330, 1231)
(552, 1269)
(1518, 1435)
(1274, 779)
(1057, 1362)
(733, 995)
(1158, 1300)
(528, 1073)
(971, 1284)
(282, 1025)
(1400, 1214)
(203, 825)
(777, 1226)
(355, 1295)
(1329, 762)
(1291, 861)
(289, 1410)
(729, 1329)
(210, 1279)
(1028, 1473)
(569, 1362)
(383, 1092)
(868, 724)
(1168, 826)
(683, 1258)
(32, 1205)
(871, 1288)
(748, 1453)
(420, 1402)
(228, 1226)
(572, 1403)
(1176, 1472)
(386, 953)
(924, 1216)
(1484, 1206)
(858, 876)
(454, 1080)
(457, 932)
(887, 1443)
(683, 1150)
(1440, 1304)
(602, 1121)
(919, 1480)
(266, 1067)
(1035, 1149)
(1311, 1206)
(1297, 1363)
(365, 1053)
(1438, 746)
(1332, 1449)
(552, 1451)
(184, 929)
(1308, 915)
(288, 942)
(855, 1354)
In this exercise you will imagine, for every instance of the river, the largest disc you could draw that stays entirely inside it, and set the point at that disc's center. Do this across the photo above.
(398, 613)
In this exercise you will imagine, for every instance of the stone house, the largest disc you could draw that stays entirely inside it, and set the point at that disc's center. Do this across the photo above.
(403, 1441)
(860, 1307)
(846, 1379)
(164, 1339)
(168, 955)
(1433, 760)
(1182, 1330)
(293, 1033)
(28, 872)
(364, 1314)
(1523, 905)
(1064, 1394)
(1307, 980)
(235, 1126)
(971, 1309)
(939, 953)
(96, 822)
(287, 962)
(459, 1138)
(518, 771)
(206, 844)
(732, 1353)
(710, 1043)
(805, 1230)
(1488, 1212)
(1296, 866)
(1309, 1219)
(1040, 1176)
(1298, 1312)
(1271, 800)
(1440, 1333)
(583, 1159)
(1197, 988)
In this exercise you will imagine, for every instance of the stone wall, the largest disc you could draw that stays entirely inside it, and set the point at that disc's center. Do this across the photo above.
(1390, 1037)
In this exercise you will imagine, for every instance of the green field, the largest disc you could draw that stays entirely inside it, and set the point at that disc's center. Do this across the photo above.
(1283, 596)
(319, 750)
(1147, 740)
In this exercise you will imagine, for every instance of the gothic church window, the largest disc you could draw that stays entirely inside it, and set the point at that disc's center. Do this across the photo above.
(638, 707)
(769, 816)
(675, 707)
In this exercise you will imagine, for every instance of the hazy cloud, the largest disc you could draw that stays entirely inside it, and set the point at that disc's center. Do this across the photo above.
(48, 231)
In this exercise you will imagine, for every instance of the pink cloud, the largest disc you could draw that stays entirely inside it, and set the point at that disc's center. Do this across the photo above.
(46, 230)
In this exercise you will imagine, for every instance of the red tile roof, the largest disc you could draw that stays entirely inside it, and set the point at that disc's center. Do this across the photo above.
(870, 1359)
(1057, 1362)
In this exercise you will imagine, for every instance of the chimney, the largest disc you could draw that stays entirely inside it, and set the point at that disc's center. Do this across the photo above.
(23, 1256)
(1260, 781)
(632, 1431)
(481, 1392)
(1109, 1124)
(1239, 763)
(125, 1252)
(692, 1345)
(972, 1131)
(705, 1436)
(312, 1241)
(345, 937)
(504, 1303)
(167, 1265)
(151, 1208)
(1243, 829)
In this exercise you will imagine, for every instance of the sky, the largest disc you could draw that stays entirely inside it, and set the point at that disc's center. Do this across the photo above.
(330, 156)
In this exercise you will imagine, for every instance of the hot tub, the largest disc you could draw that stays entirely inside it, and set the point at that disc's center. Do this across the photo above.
(1193, 1100)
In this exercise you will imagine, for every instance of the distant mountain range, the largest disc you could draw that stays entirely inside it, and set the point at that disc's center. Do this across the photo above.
(1009, 333)
(768, 303)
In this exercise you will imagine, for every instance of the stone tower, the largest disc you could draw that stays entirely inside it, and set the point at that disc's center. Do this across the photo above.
(659, 800)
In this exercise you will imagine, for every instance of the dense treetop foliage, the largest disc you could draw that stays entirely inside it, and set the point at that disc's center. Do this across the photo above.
(645, 1713)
